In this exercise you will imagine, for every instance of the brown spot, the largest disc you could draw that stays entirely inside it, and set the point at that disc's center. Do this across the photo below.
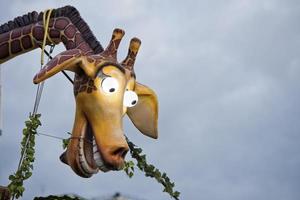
(27, 29)
(89, 59)
(26, 42)
(16, 33)
(70, 31)
(64, 58)
(15, 46)
(54, 33)
(4, 37)
(41, 73)
(90, 52)
(38, 33)
(98, 61)
(71, 52)
(89, 90)
(64, 39)
(70, 45)
(61, 23)
(84, 47)
(84, 79)
(4, 52)
(82, 88)
(76, 86)
(52, 64)
(91, 82)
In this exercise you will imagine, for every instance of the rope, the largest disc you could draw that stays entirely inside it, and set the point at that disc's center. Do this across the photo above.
(46, 20)
(60, 138)
(51, 136)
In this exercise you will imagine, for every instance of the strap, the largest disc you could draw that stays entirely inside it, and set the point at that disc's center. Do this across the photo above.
(46, 20)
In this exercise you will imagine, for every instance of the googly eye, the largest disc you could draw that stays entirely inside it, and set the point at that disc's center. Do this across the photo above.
(109, 85)
(130, 99)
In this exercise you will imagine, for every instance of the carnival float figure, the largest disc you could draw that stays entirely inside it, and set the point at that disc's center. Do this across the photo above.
(104, 89)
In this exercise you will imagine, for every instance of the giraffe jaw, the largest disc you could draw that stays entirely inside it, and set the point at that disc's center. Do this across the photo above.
(90, 159)
(85, 159)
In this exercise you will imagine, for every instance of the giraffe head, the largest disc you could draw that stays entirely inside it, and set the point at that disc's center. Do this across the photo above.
(105, 90)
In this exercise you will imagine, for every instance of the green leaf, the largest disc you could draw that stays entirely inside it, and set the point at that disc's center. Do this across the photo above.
(11, 177)
(27, 175)
(65, 143)
(176, 194)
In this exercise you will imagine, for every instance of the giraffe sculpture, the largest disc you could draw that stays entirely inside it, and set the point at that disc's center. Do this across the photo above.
(104, 89)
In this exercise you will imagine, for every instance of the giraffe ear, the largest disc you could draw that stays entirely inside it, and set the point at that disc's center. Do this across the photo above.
(72, 60)
(144, 114)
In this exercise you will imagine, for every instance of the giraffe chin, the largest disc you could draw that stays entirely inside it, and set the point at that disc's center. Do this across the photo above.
(88, 159)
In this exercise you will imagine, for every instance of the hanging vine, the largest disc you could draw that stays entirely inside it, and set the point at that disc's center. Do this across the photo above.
(149, 170)
(25, 167)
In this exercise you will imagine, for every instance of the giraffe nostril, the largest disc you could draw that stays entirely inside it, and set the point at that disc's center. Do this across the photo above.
(120, 152)
(114, 156)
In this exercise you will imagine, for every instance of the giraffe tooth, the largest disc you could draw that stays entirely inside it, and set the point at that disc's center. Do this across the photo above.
(98, 158)
(83, 162)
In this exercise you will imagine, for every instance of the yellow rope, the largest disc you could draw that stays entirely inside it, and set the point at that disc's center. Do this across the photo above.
(46, 20)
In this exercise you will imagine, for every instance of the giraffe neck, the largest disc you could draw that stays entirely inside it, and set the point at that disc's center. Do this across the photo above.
(66, 26)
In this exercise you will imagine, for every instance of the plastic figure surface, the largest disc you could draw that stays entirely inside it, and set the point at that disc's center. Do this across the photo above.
(104, 89)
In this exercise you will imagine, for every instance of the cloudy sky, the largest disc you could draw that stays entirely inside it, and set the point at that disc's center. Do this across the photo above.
(227, 77)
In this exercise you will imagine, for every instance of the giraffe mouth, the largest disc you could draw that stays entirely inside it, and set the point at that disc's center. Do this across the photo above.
(90, 158)
(87, 157)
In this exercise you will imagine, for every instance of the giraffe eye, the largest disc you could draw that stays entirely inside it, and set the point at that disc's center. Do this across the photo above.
(130, 99)
(109, 85)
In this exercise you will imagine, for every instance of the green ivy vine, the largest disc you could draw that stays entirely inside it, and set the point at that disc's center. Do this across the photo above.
(149, 170)
(25, 168)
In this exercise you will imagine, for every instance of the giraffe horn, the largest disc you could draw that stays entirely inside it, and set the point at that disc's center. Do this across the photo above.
(134, 46)
(112, 48)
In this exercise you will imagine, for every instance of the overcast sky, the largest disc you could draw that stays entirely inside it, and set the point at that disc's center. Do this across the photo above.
(227, 77)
